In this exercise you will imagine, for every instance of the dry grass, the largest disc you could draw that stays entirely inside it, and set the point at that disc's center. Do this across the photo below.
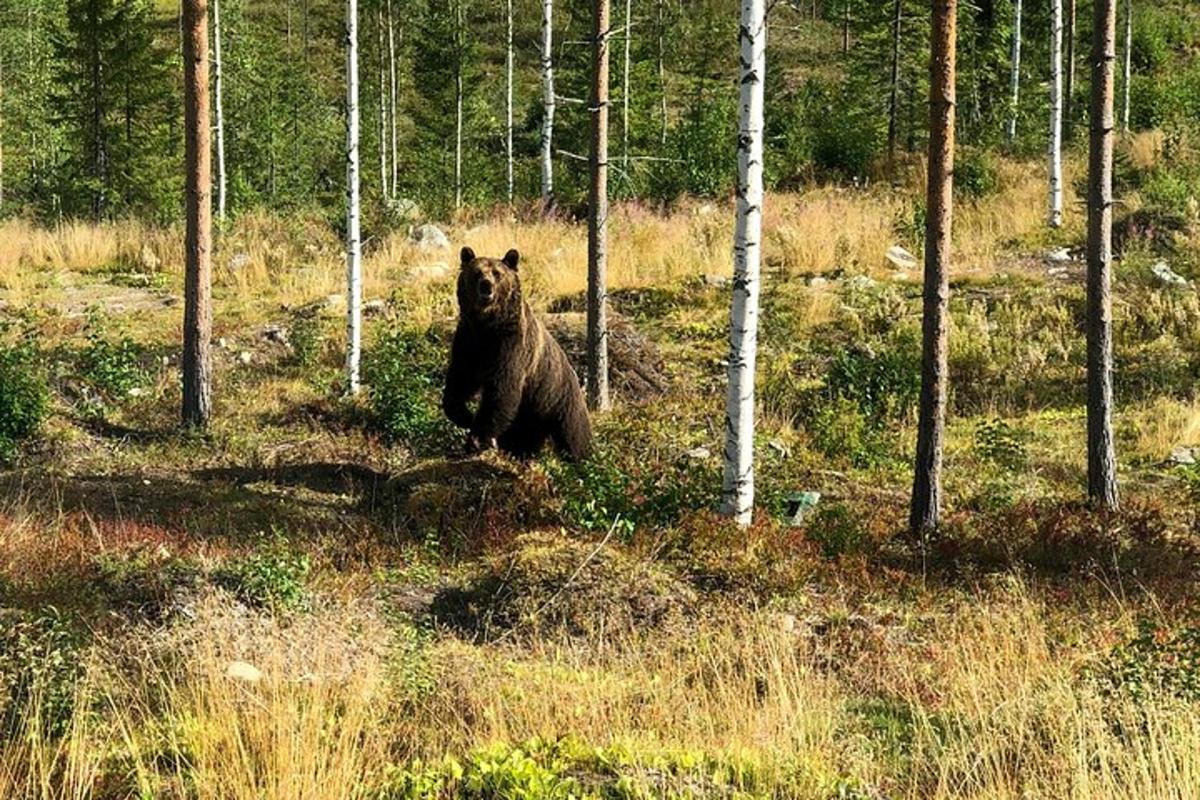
(1164, 426)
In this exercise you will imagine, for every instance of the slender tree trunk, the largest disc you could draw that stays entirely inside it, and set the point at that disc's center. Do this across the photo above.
(1069, 99)
(927, 481)
(458, 104)
(218, 95)
(508, 105)
(1, 134)
(625, 87)
(197, 308)
(1056, 114)
(1128, 66)
(1102, 458)
(1016, 74)
(393, 88)
(845, 27)
(894, 99)
(597, 307)
(662, 68)
(384, 171)
(353, 217)
(549, 104)
(737, 487)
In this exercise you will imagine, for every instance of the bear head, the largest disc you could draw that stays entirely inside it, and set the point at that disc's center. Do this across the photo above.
(489, 288)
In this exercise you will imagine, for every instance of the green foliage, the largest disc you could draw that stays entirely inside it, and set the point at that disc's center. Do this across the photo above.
(975, 174)
(272, 577)
(403, 371)
(997, 442)
(306, 337)
(112, 368)
(837, 529)
(699, 151)
(1156, 661)
(24, 393)
(40, 665)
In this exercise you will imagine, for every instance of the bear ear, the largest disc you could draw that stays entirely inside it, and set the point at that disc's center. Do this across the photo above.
(512, 258)
(468, 255)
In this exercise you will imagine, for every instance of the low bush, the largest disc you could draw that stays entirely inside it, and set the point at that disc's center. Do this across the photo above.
(403, 371)
(24, 393)
(273, 577)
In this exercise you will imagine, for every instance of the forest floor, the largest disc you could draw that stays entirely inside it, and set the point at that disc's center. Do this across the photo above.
(322, 598)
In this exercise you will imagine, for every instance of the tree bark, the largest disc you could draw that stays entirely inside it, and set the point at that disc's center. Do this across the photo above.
(625, 87)
(384, 170)
(597, 306)
(197, 308)
(1128, 65)
(548, 100)
(458, 104)
(218, 95)
(662, 68)
(508, 105)
(845, 27)
(353, 206)
(1056, 114)
(1069, 98)
(1, 135)
(1102, 458)
(393, 87)
(1016, 75)
(894, 98)
(927, 481)
(737, 488)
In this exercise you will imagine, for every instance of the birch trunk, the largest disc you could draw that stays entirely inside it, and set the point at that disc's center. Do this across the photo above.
(508, 105)
(549, 104)
(218, 95)
(927, 481)
(1128, 65)
(197, 306)
(597, 295)
(894, 99)
(846, 27)
(1102, 458)
(458, 104)
(737, 489)
(384, 171)
(625, 87)
(353, 218)
(393, 91)
(1056, 114)
(1069, 97)
(662, 68)
(1016, 74)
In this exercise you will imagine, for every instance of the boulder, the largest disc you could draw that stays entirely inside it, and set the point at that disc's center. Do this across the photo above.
(901, 258)
(1165, 276)
(430, 237)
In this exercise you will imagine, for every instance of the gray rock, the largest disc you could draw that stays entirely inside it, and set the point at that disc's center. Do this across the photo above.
(430, 237)
(1183, 457)
(699, 454)
(1061, 255)
(1165, 276)
(717, 281)
(245, 357)
(901, 258)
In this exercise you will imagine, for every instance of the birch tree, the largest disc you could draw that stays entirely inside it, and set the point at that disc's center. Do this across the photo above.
(353, 209)
(737, 489)
(508, 104)
(1069, 96)
(548, 101)
(597, 294)
(459, 35)
(393, 90)
(1128, 65)
(197, 290)
(218, 94)
(1016, 73)
(939, 225)
(894, 97)
(662, 68)
(1102, 458)
(625, 87)
(384, 171)
(1056, 114)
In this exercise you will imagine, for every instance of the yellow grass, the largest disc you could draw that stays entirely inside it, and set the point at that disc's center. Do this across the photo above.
(1164, 426)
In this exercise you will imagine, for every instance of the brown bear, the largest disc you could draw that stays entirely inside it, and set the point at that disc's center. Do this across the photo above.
(502, 352)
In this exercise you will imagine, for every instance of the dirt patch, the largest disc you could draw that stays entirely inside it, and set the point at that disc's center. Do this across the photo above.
(637, 370)
(551, 583)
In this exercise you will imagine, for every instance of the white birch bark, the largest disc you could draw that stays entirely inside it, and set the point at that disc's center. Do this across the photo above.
(1, 134)
(393, 88)
(384, 171)
(508, 105)
(1016, 74)
(458, 104)
(549, 103)
(218, 95)
(662, 70)
(625, 87)
(353, 223)
(1056, 113)
(1128, 65)
(737, 491)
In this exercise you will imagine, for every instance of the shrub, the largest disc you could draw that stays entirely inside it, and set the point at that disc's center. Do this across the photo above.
(836, 528)
(975, 175)
(1155, 661)
(403, 372)
(40, 665)
(24, 394)
(306, 337)
(112, 368)
(272, 577)
(1001, 444)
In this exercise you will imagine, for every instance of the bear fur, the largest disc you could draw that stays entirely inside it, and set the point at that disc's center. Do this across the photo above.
(503, 353)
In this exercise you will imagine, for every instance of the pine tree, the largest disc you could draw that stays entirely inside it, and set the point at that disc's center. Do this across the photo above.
(197, 309)
(597, 295)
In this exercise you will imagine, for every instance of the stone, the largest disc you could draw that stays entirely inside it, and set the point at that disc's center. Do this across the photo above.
(245, 358)
(1183, 456)
(717, 281)
(1165, 276)
(430, 237)
(699, 454)
(1060, 255)
(901, 258)
(243, 672)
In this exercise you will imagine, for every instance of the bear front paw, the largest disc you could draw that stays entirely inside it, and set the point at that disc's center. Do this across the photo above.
(476, 444)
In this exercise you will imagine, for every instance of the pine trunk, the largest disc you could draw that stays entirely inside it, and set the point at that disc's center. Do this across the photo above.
(353, 206)
(1128, 65)
(1102, 458)
(197, 308)
(927, 481)
(218, 98)
(508, 105)
(1069, 97)
(548, 100)
(894, 99)
(597, 294)
(737, 489)
(1016, 74)
(1056, 114)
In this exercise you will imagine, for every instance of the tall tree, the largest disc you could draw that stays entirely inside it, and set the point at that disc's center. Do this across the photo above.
(508, 104)
(353, 209)
(385, 174)
(548, 104)
(1056, 114)
(597, 294)
(894, 97)
(393, 90)
(625, 86)
(459, 46)
(218, 93)
(1016, 72)
(927, 481)
(197, 309)
(1128, 84)
(1102, 457)
(737, 489)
